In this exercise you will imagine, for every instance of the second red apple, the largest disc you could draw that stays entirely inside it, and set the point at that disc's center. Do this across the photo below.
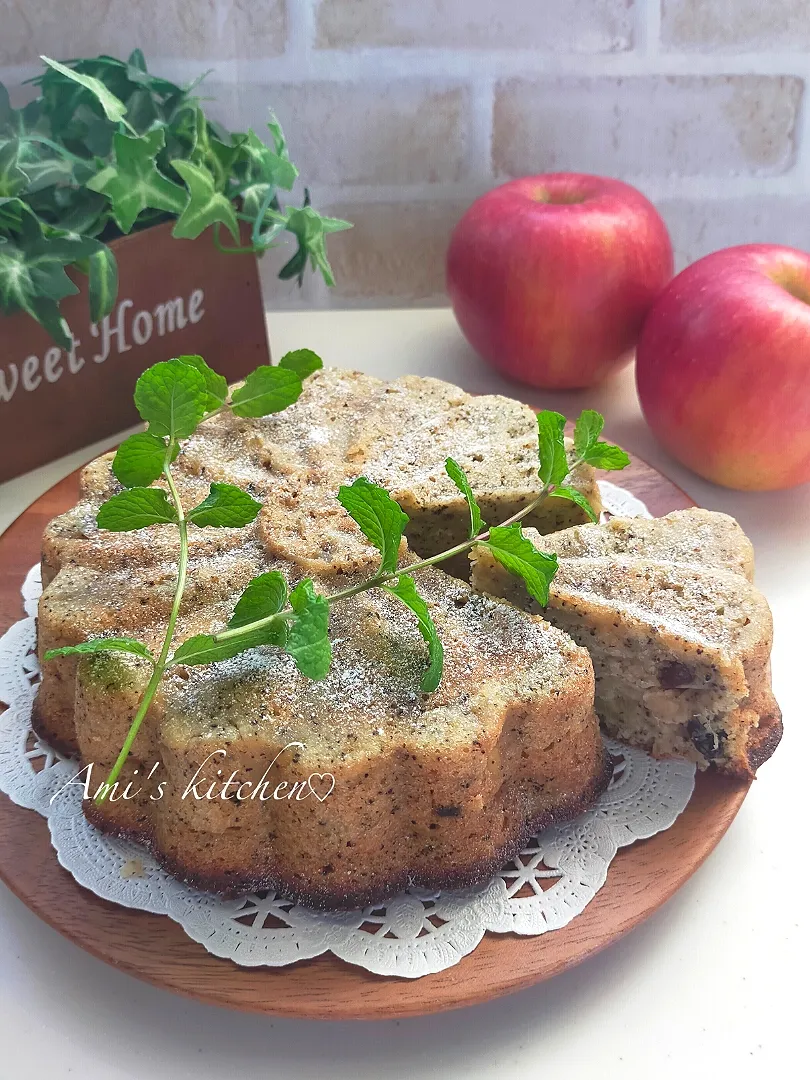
(551, 276)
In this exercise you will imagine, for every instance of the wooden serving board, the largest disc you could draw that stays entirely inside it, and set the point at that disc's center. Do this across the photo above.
(155, 949)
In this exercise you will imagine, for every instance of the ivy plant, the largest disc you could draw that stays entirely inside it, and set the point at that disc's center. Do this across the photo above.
(107, 148)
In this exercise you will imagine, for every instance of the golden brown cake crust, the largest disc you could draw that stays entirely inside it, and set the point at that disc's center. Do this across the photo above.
(436, 789)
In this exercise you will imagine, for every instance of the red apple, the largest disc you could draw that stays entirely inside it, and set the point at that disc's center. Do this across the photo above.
(723, 367)
(551, 276)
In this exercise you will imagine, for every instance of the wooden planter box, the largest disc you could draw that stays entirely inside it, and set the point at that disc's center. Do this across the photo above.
(174, 297)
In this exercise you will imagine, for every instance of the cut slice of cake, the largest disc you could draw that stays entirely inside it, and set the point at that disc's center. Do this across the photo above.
(679, 636)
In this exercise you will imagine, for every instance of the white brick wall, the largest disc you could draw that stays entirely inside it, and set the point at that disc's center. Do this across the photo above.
(400, 112)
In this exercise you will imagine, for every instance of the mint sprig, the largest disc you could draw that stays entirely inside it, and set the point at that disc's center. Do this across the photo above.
(174, 398)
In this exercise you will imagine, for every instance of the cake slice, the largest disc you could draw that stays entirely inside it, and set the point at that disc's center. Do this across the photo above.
(679, 636)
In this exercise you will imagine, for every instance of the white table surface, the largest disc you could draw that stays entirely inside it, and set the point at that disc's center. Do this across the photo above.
(710, 986)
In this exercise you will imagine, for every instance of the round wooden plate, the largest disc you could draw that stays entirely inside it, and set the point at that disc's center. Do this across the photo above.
(154, 948)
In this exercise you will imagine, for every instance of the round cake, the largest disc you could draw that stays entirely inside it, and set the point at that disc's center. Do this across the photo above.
(246, 775)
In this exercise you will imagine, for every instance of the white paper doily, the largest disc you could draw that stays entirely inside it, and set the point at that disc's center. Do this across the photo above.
(418, 932)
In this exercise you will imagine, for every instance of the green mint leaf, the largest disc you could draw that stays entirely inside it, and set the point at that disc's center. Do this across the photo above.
(216, 385)
(138, 462)
(265, 595)
(587, 430)
(103, 282)
(302, 361)
(205, 204)
(172, 398)
(114, 109)
(202, 649)
(601, 455)
(607, 456)
(308, 638)
(226, 506)
(136, 509)
(266, 390)
(459, 478)
(519, 556)
(380, 518)
(98, 645)
(406, 591)
(134, 183)
(577, 497)
(551, 444)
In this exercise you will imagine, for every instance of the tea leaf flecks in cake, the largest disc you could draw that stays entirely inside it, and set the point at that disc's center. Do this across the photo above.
(174, 398)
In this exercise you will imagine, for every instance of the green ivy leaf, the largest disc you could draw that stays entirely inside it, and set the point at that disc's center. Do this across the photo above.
(266, 390)
(310, 229)
(205, 204)
(266, 595)
(574, 496)
(138, 461)
(32, 272)
(172, 397)
(114, 109)
(406, 591)
(226, 507)
(302, 361)
(12, 178)
(459, 478)
(216, 385)
(103, 282)
(136, 509)
(134, 182)
(99, 645)
(551, 444)
(519, 556)
(308, 638)
(380, 518)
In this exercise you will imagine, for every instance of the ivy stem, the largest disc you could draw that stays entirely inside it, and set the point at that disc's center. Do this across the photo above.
(161, 663)
(382, 579)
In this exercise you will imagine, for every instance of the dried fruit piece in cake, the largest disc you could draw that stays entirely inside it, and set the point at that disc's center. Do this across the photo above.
(679, 636)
